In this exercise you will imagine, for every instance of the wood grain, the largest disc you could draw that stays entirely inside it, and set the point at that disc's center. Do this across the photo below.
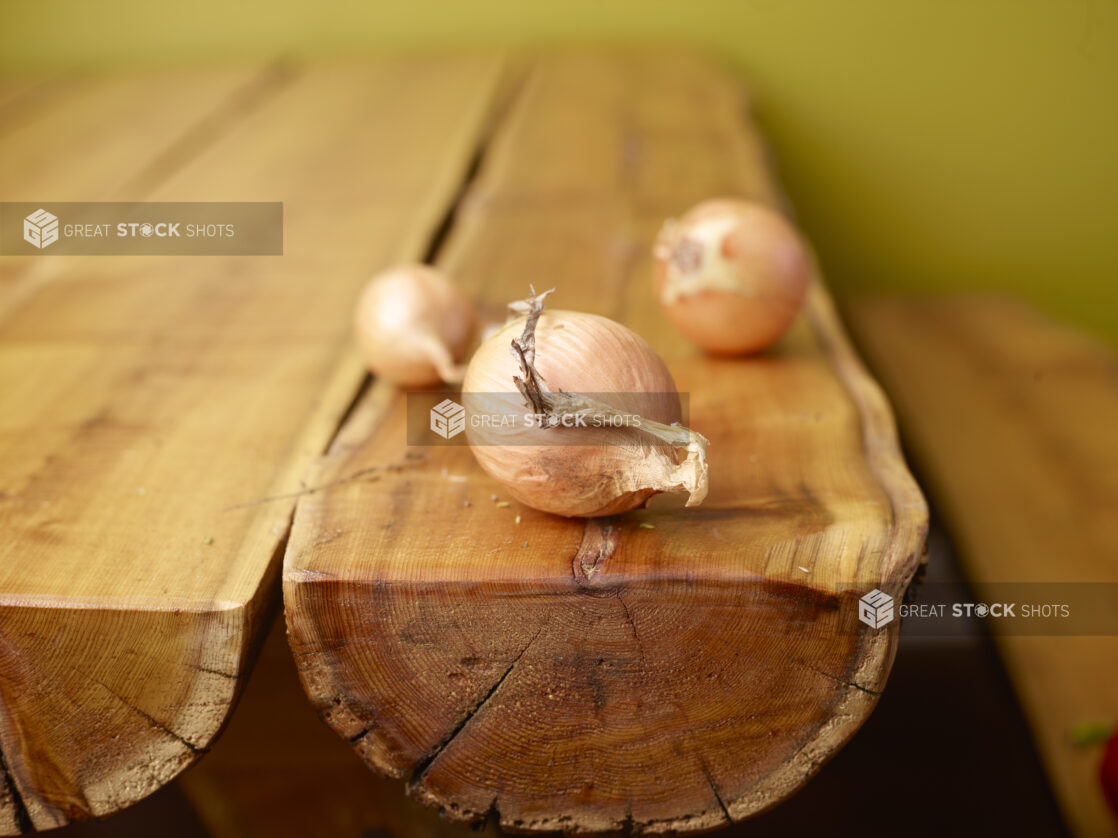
(1011, 420)
(599, 676)
(108, 137)
(153, 408)
(278, 772)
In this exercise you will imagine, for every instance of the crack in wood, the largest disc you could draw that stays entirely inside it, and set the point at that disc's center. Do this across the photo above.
(599, 541)
(411, 459)
(714, 790)
(633, 626)
(19, 805)
(839, 680)
(357, 737)
(155, 723)
(310, 490)
(492, 816)
(628, 825)
(323, 650)
(421, 767)
(199, 668)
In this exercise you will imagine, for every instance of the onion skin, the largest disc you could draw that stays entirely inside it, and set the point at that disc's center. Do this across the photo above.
(606, 471)
(412, 326)
(731, 275)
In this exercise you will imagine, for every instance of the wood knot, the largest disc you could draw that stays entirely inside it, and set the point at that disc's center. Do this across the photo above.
(599, 540)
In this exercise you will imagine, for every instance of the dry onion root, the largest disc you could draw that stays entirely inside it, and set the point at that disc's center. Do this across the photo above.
(413, 326)
(731, 275)
(586, 380)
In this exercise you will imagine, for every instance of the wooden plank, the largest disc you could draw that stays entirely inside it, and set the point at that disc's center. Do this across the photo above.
(152, 406)
(95, 134)
(709, 665)
(1011, 419)
(109, 137)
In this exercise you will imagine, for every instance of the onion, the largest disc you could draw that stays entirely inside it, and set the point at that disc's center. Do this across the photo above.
(731, 275)
(588, 381)
(413, 326)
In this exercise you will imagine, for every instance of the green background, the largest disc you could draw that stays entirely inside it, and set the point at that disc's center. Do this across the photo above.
(928, 146)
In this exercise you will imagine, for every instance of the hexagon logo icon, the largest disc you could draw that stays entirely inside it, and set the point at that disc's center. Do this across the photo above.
(875, 609)
(40, 228)
(448, 419)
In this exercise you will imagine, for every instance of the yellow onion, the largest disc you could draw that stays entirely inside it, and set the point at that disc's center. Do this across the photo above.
(731, 275)
(413, 326)
(566, 365)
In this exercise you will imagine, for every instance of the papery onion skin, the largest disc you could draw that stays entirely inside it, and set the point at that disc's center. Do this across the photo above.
(731, 275)
(412, 326)
(611, 470)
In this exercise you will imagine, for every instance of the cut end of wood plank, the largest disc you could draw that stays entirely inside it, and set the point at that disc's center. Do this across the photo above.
(565, 705)
(116, 733)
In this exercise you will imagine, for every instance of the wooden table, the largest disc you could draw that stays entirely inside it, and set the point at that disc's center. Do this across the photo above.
(1011, 419)
(166, 417)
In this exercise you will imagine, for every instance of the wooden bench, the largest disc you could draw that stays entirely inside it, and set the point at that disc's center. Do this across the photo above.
(1012, 421)
(166, 417)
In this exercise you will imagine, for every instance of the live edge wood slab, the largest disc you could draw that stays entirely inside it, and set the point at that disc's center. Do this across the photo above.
(593, 676)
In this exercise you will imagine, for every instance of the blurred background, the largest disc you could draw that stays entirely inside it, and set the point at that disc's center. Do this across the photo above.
(927, 146)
